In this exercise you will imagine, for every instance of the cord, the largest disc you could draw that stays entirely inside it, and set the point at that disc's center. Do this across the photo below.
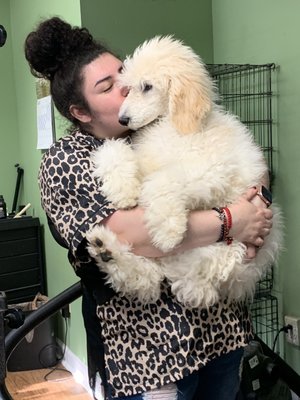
(56, 368)
(284, 329)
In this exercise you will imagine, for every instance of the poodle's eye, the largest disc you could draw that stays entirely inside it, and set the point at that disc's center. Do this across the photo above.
(147, 87)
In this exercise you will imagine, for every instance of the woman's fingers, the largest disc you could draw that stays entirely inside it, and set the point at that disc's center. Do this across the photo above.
(250, 252)
(259, 242)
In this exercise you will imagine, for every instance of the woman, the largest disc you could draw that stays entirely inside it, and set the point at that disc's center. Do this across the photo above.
(158, 351)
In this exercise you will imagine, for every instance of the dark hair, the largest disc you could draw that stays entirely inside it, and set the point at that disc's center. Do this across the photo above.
(58, 52)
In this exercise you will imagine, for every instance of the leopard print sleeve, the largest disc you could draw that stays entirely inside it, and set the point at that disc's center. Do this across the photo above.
(70, 195)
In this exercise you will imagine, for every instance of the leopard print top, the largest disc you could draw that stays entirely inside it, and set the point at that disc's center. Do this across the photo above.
(145, 346)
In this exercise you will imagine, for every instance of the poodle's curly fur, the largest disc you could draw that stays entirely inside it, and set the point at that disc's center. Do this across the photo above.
(187, 153)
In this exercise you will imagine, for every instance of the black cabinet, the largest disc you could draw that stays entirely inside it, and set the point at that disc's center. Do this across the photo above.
(22, 272)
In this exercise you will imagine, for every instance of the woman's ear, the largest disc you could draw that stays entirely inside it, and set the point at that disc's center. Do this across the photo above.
(80, 114)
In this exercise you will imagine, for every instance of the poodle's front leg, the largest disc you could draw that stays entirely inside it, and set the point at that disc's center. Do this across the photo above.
(115, 166)
(169, 194)
(129, 275)
(165, 204)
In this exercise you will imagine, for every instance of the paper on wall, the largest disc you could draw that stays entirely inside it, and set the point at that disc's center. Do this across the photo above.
(45, 123)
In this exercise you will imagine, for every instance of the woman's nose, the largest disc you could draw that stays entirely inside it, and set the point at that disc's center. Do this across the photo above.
(124, 91)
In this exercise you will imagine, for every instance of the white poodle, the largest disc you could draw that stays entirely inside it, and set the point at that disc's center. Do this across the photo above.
(186, 154)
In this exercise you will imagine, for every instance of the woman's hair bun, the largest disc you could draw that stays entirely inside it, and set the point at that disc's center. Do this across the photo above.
(53, 44)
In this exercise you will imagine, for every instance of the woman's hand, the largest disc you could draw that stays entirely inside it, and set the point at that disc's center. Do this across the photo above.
(251, 221)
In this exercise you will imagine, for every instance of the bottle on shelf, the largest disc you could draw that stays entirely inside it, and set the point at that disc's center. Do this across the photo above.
(3, 213)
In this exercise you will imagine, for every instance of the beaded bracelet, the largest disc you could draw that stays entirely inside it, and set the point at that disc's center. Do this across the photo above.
(226, 218)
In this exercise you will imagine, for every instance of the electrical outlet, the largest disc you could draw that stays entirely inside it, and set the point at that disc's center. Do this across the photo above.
(292, 336)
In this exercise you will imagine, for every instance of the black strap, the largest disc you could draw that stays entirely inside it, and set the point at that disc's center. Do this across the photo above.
(95, 346)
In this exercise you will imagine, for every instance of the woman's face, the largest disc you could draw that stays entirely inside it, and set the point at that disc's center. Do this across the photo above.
(103, 96)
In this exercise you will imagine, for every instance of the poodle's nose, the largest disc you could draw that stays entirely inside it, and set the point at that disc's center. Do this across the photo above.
(124, 120)
(124, 91)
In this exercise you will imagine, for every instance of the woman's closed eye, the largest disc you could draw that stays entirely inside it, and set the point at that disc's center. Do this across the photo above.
(105, 85)
(107, 88)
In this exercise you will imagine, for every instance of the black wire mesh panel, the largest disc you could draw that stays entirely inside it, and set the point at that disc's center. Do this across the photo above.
(265, 285)
(246, 90)
(264, 310)
(265, 319)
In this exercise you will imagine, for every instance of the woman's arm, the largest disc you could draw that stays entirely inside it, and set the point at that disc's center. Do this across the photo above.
(250, 224)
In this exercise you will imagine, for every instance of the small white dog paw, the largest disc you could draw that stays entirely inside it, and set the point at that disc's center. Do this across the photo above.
(166, 231)
(129, 275)
(195, 296)
(141, 278)
(97, 248)
(127, 195)
(115, 166)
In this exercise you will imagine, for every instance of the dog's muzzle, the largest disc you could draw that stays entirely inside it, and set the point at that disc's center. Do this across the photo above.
(124, 121)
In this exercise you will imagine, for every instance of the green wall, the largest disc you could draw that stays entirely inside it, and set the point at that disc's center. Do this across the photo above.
(260, 32)
(124, 24)
(9, 144)
(24, 17)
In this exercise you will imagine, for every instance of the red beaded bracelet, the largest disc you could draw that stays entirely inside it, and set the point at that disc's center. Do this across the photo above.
(228, 239)
(226, 218)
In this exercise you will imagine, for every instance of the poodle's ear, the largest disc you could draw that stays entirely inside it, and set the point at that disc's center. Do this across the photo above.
(190, 100)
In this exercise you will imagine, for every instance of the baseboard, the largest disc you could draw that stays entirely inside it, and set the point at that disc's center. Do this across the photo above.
(295, 397)
(78, 369)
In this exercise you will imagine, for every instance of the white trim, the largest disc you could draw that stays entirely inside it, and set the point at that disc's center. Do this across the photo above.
(78, 369)
(294, 397)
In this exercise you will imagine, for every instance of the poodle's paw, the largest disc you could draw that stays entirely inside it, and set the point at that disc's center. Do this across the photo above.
(192, 295)
(115, 166)
(147, 296)
(123, 193)
(127, 195)
(166, 211)
(129, 275)
(115, 260)
(145, 279)
(100, 252)
(96, 247)
(119, 280)
(134, 279)
(166, 231)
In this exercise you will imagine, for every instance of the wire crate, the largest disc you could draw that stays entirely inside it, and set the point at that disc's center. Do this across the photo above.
(265, 319)
(246, 90)
(265, 285)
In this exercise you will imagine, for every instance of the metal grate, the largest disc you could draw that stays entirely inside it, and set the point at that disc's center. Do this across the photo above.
(264, 310)
(246, 91)
(265, 318)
